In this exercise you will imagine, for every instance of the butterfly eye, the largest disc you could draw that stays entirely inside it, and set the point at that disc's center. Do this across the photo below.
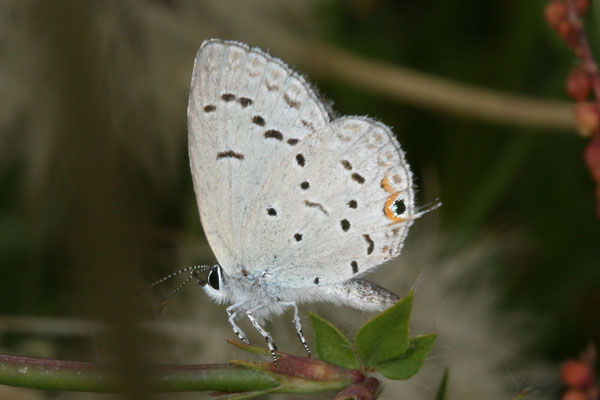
(213, 278)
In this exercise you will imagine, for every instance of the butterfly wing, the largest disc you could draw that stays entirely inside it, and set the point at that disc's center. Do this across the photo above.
(283, 190)
(344, 200)
(247, 112)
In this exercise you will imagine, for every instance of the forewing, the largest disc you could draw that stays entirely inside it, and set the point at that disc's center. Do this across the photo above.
(247, 114)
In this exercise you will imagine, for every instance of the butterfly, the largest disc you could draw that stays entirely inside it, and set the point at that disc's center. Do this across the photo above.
(296, 205)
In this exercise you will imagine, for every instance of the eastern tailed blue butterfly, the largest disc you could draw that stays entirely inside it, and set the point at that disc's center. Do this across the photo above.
(297, 205)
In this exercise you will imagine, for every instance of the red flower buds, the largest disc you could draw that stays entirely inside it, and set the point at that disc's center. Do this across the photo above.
(555, 13)
(576, 374)
(579, 84)
(566, 21)
(581, 6)
(587, 118)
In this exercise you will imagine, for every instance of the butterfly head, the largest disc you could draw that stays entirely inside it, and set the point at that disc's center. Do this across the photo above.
(215, 285)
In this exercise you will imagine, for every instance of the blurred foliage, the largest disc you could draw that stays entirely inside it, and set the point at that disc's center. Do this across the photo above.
(95, 192)
(442, 392)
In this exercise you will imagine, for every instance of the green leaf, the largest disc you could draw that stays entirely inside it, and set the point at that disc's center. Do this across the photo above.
(411, 362)
(442, 392)
(385, 337)
(331, 345)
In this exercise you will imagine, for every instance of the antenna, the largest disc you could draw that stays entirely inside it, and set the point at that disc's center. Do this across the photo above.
(194, 270)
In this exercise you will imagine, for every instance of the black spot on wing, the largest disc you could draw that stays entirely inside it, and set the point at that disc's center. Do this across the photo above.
(354, 266)
(346, 164)
(345, 224)
(258, 120)
(399, 207)
(293, 141)
(312, 204)
(370, 243)
(352, 204)
(227, 97)
(298, 237)
(305, 185)
(316, 281)
(300, 160)
(209, 108)
(271, 211)
(358, 178)
(230, 154)
(274, 134)
(245, 102)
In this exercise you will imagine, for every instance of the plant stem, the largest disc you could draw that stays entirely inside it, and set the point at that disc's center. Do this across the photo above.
(50, 374)
(420, 89)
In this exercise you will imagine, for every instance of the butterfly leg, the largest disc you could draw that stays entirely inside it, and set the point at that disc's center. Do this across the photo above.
(236, 329)
(270, 344)
(298, 325)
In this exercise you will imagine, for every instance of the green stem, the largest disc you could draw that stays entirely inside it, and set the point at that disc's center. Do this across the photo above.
(50, 374)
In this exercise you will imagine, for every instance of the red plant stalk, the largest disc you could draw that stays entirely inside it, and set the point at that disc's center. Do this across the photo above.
(564, 16)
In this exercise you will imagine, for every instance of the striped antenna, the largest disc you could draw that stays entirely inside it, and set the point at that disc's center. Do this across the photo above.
(163, 302)
(194, 270)
(197, 268)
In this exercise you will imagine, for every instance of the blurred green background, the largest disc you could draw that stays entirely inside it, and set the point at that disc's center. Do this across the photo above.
(96, 195)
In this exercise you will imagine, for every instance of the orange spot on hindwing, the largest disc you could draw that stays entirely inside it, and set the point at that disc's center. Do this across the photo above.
(390, 208)
(385, 184)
